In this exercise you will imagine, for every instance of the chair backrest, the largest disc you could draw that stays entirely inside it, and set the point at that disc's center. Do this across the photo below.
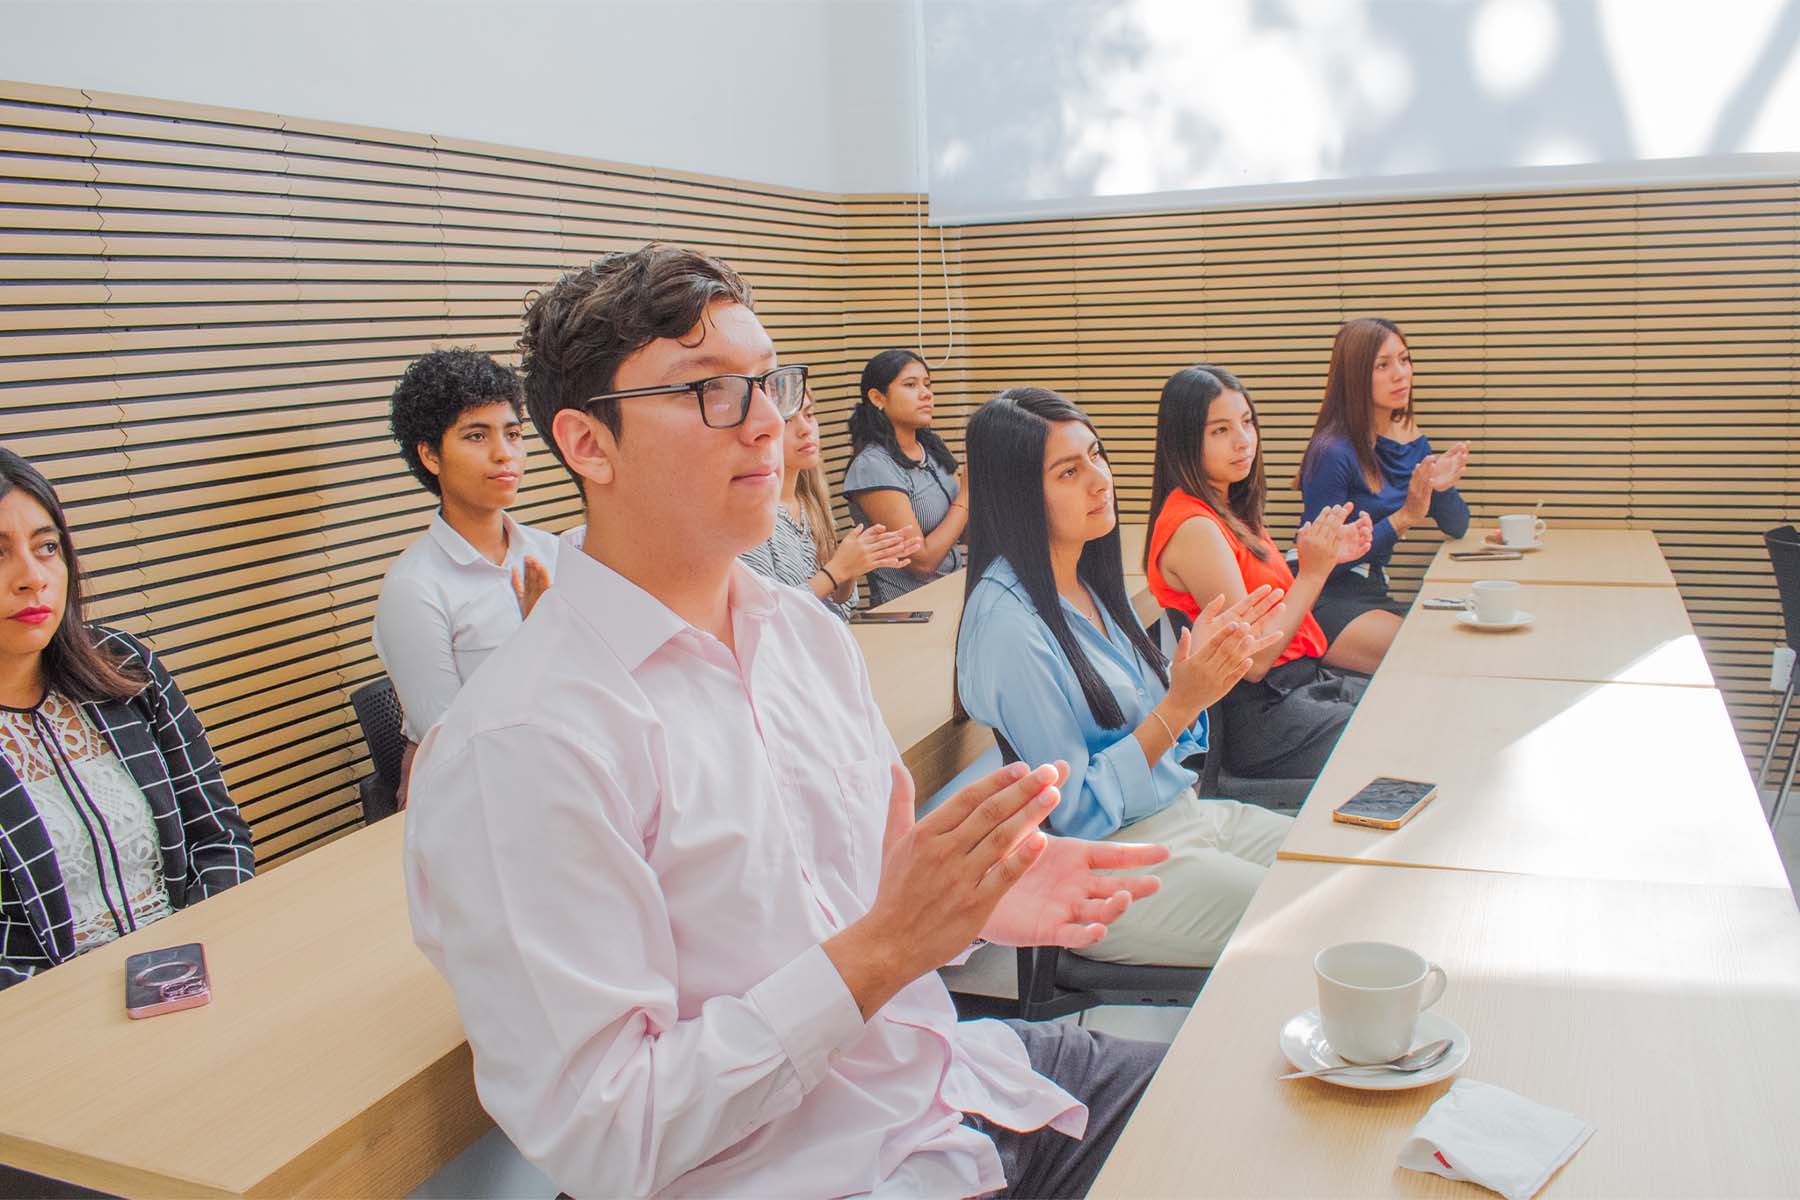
(1784, 553)
(378, 712)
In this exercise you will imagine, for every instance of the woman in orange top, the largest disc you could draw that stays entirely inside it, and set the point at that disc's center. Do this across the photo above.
(1207, 538)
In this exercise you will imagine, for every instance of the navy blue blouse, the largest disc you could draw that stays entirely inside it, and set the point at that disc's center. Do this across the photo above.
(1337, 477)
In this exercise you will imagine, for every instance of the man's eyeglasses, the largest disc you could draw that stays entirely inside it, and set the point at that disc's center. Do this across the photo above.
(725, 399)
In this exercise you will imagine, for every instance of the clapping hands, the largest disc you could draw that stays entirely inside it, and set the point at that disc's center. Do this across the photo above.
(530, 586)
(1333, 537)
(1447, 468)
(1214, 655)
(866, 548)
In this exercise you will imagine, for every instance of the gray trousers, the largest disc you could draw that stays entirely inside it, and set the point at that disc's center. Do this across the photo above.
(1108, 1074)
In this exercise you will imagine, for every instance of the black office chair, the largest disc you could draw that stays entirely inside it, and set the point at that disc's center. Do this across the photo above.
(1054, 982)
(1784, 554)
(1284, 795)
(378, 712)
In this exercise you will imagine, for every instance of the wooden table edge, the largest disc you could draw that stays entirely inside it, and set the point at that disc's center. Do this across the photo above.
(361, 1158)
(103, 1175)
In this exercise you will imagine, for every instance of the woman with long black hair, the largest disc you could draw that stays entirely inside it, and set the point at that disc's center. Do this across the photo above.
(113, 810)
(1208, 540)
(901, 473)
(1051, 656)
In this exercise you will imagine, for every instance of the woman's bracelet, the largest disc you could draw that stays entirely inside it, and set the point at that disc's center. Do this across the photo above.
(1166, 729)
(826, 571)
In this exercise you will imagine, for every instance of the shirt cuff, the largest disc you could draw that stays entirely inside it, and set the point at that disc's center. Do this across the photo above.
(811, 1011)
(967, 952)
(1128, 780)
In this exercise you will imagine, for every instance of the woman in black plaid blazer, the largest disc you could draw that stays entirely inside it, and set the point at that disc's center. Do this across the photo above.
(121, 690)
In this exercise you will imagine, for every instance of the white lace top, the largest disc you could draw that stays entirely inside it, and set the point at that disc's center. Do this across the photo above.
(122, 811)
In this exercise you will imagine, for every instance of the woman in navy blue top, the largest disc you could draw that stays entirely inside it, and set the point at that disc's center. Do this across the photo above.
(1367, 450)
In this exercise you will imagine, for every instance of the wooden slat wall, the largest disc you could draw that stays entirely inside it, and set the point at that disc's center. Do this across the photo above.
(1624, 356)
(202, 312)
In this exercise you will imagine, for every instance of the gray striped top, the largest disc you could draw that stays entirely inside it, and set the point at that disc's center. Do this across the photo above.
(790, 557)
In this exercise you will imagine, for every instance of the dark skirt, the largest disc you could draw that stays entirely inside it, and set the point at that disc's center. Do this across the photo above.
(1284, 725)
(1347, 596)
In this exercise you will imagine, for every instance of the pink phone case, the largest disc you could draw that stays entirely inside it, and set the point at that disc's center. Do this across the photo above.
(166, 981)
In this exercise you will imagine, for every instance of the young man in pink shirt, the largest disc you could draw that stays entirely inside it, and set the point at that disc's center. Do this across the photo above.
(663, 848)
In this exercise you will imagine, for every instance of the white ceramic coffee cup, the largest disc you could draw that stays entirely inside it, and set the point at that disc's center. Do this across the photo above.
(1370, 998)
(1521, 529)
(1496, 600)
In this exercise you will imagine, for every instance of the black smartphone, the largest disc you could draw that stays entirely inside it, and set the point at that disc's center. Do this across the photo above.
(916, 617)
(167, 980)
(1386, 803)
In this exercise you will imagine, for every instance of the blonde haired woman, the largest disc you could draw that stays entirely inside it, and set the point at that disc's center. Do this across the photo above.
(805, 551)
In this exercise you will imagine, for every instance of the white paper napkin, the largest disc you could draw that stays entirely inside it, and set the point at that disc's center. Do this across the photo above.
(1490, 1136)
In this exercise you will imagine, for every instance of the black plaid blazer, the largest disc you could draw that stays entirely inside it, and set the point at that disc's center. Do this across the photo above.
(205, 842)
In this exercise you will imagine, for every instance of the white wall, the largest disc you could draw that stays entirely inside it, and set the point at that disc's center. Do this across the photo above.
(1040, 107)
(1035, 106)
(777, 91)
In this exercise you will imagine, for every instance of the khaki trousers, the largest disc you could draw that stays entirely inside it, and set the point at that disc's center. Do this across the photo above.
(1219, 851)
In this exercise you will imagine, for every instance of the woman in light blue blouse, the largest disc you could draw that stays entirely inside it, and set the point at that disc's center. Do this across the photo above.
(1051, 656)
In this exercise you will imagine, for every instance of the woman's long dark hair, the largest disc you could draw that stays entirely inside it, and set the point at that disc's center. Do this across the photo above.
(1007, 520)
(73, 663)
(1180, 457)
(1348, 410)
(869, 426)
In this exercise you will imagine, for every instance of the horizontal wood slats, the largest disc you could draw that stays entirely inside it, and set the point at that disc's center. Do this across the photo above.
(202, 312)
(1623, 356)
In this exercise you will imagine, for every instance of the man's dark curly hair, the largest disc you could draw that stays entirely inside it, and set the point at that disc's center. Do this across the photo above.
(591, 320)
(437, 389)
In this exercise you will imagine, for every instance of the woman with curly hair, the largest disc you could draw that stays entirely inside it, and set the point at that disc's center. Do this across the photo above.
(113, 808)
(469, 580)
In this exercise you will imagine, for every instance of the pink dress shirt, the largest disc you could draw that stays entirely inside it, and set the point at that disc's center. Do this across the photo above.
(624, 848)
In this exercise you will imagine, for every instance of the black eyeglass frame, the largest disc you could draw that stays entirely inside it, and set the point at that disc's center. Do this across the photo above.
(698, 388)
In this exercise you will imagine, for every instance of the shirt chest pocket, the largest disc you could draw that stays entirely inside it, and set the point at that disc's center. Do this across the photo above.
(481, 625)
(839, 815)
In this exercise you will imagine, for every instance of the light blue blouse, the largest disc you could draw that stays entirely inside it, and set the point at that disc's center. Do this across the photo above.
(1013, 677)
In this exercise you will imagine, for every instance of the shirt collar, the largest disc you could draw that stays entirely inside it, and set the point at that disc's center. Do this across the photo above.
(1001, 572)
(633, 623)
(458, 547)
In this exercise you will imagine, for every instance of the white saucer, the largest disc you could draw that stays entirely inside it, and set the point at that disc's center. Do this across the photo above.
(1520, 620)
(1303, 1041)
(1534, 544)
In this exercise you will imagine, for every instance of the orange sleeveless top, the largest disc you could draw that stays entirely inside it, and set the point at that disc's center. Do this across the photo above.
(1309, 640)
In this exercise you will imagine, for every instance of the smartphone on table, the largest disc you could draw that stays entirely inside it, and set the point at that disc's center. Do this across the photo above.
(166, 981)
(1386, 803)
(871, 617)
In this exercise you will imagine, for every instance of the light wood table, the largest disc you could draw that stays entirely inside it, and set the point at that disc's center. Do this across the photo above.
(1625, 557)
(1587, 634)
(1544, 777)
(330, 1061)
(1664, 1014)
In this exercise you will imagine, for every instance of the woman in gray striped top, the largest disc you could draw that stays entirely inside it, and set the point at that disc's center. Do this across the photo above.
(805, 551)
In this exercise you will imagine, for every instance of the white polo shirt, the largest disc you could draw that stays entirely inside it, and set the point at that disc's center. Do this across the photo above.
(443, 609)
